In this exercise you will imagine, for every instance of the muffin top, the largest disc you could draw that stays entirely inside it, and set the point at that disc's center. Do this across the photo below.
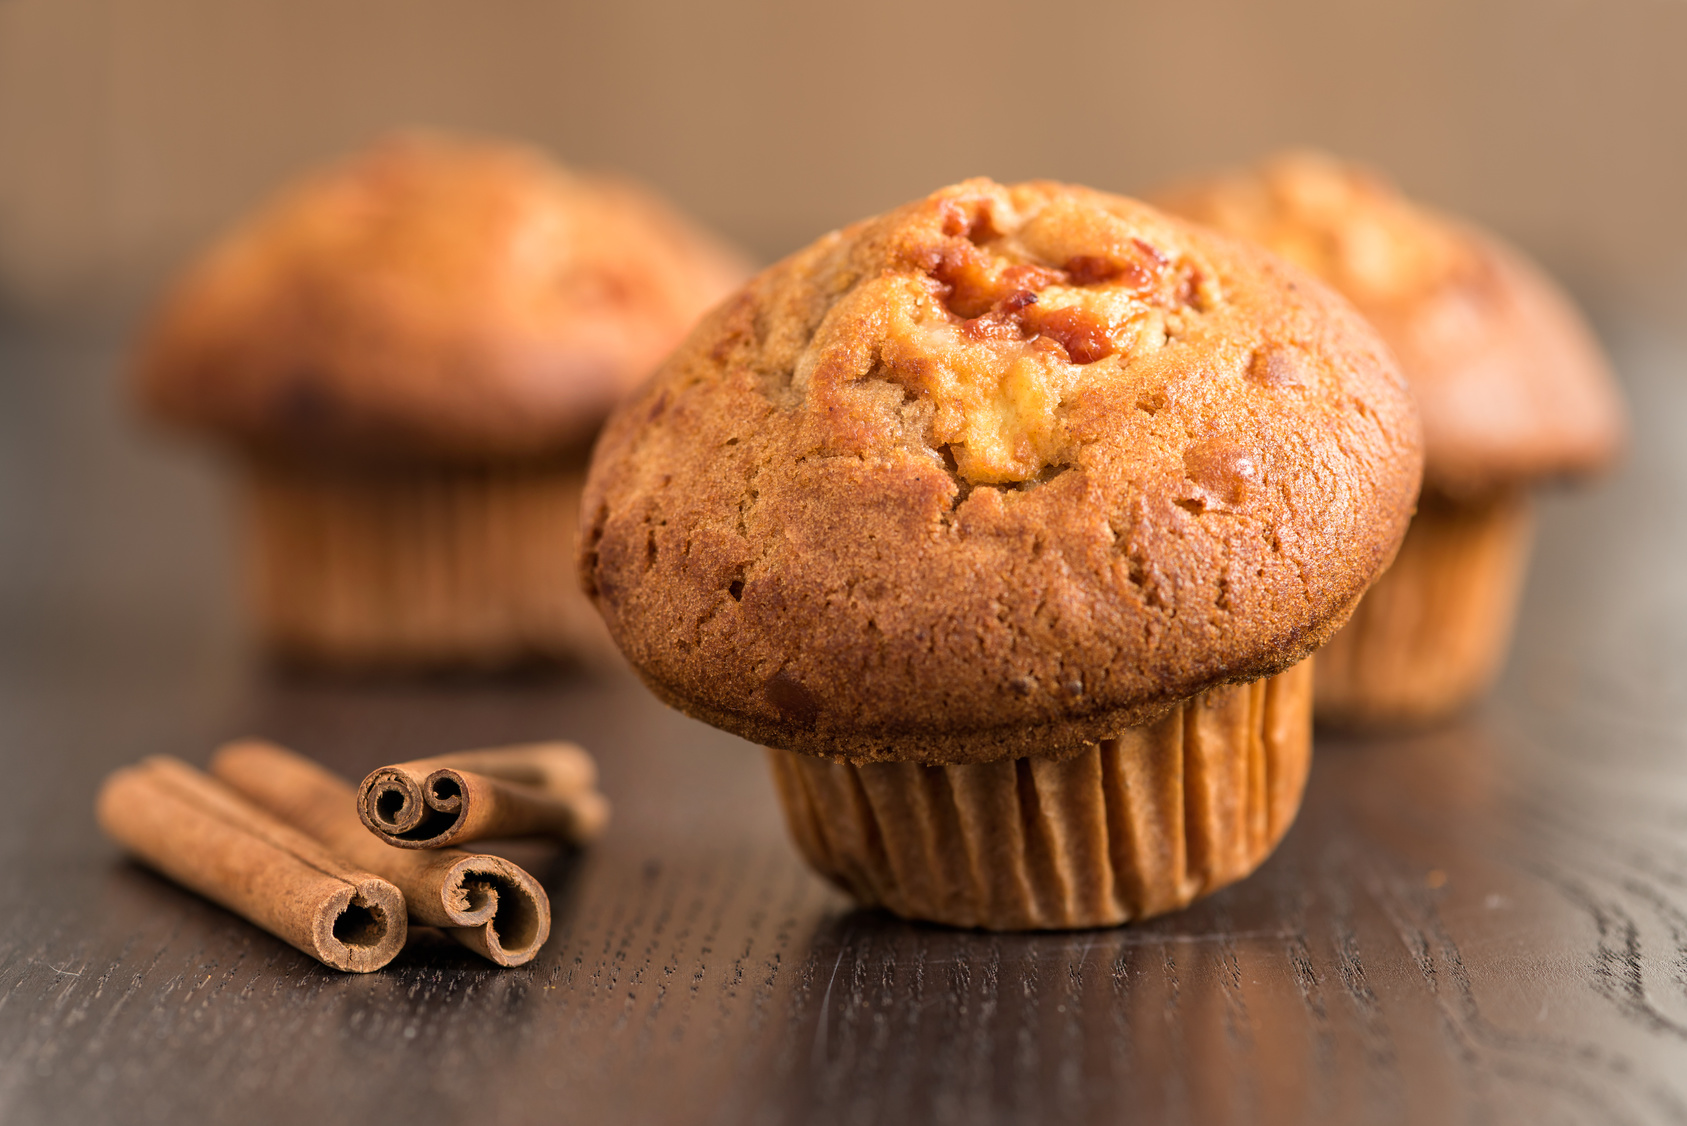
(997, 473)
(434, 298)
(1509, 381)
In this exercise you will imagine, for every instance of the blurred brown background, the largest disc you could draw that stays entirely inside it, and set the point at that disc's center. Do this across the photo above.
(130, 130)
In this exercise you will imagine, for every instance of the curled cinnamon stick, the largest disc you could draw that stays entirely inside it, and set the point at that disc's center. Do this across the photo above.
(206, 837)
(485, 902)
(527, 790)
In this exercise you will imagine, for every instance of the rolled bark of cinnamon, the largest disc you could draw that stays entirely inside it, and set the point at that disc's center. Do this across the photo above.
(527, 790)
(206, 837)
(485, 902)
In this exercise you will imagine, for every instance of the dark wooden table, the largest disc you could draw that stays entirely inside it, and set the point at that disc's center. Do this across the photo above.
(1485, 923)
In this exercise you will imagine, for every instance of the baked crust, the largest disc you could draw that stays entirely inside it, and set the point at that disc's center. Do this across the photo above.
(433, 298)
(875, 508)
(1510, 383)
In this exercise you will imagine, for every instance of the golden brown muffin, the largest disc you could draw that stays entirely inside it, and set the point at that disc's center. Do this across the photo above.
(411, 351)
(1512, 390)
(975, 511)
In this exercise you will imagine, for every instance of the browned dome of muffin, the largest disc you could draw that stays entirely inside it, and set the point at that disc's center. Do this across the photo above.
(1509, 382)
(997, 473)
(431, 297)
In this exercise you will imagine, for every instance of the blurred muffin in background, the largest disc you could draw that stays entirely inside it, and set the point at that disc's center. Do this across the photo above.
(1512, 389)
(410, 354)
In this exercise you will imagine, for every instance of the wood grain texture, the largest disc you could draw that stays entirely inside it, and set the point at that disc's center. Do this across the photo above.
(1485, 923)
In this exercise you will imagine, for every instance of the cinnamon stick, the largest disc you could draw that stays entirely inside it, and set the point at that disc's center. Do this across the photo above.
(526, 790)
(205, 837)
(485, 902)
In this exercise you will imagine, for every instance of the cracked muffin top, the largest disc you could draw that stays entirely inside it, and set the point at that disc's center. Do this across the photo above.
(998, 473)
(1509, 382)
(431, 297)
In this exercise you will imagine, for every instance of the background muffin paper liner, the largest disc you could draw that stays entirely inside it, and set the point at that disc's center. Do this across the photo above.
(1009, 484)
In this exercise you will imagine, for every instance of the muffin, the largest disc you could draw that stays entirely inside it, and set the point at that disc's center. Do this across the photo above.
(410, 353)
(1008, 519)
(1512, 390)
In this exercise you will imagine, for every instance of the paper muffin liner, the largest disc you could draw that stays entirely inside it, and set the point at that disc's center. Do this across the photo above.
(437, 567)
(1432, 633)
(1134, 826)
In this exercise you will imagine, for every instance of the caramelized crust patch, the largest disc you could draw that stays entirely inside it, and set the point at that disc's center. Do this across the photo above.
(1007, 317)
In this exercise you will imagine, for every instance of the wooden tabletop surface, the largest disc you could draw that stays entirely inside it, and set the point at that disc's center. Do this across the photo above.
(1485, 923)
